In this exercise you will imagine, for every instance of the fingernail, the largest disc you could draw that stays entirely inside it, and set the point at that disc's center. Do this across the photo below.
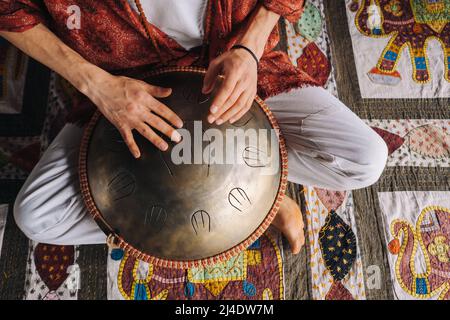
(176, 136)
(137, 155)
(214, 109)
(210, 119)
(163, 146)
(219, 122)
(232, 120)
(180, 124)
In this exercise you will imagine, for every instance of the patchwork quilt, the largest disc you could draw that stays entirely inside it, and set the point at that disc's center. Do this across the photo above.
(388, 61)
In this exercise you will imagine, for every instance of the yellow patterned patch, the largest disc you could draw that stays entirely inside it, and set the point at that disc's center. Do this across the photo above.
(253, 257)
(267, 294)
(216, 287)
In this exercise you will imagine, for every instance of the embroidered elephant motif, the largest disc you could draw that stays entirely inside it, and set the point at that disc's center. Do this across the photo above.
(253, 274)
(410, 23)
(431, 238)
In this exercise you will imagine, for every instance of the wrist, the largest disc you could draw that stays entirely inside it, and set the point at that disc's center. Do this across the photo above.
(248, 50)
(258, 30)
(253, 43)
(87, 77)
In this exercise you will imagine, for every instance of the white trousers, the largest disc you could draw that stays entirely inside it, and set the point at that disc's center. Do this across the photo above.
(328, 146)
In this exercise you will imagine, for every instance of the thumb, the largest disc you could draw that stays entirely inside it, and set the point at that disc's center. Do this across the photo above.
(159, 92)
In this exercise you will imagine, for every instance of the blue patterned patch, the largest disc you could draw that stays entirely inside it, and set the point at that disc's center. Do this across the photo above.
(140, 292)
(420, 63)
(249, 289)
(376, 31)
(391, 55)
(255, 245)
(421, 286)
(117, 254)
(189, 290)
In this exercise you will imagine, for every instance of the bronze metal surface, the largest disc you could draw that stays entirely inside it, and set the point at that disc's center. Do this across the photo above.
(182, 212)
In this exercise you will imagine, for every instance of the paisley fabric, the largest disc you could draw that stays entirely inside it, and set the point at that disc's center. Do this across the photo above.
(120, 44)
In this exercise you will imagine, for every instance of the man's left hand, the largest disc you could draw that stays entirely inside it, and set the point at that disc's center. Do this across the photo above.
(237, 91)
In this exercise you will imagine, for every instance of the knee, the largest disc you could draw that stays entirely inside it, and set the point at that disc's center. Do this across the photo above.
(25, 218)
(370, 162)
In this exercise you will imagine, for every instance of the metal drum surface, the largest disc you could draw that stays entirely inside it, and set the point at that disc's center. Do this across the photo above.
(196, 212)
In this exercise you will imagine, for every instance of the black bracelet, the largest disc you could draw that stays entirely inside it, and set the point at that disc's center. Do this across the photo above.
(239, 46)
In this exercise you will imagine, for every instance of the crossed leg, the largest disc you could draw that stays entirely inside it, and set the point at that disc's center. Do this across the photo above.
(328, 147)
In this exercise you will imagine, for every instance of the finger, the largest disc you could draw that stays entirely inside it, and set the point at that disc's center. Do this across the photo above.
(238, 91)
(166, 113)
(151, 136)
(240, 104)
(158, 92)
(127, 136)
(241, 113)
(224, 92)
(162, 126)
(211, 76)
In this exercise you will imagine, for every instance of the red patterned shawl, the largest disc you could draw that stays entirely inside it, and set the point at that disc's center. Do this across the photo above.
(112, 37)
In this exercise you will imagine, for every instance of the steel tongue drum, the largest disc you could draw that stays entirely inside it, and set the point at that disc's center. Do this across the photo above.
(200, 202)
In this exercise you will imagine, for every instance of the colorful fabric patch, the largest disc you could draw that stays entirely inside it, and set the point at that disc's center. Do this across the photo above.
(435, 14)
(309, 47)
(420, 142)
(335, 263)
(338, 246)
(52, 272)
(417, 230)
(310, 23)
(232, 269)
(256, 273)
(401, 45)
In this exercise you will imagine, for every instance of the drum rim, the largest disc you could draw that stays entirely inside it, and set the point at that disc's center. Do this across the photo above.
(180, 264)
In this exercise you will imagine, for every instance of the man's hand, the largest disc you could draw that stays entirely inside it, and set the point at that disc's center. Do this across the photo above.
(235, 94)
(131, 105)
(237, 91)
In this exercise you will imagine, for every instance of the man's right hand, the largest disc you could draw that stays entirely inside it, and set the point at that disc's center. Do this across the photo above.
(130, 104)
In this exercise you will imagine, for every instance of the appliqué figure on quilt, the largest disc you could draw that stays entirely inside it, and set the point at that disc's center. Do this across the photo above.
(336, 266)
(431, 238)
(410, 23)
(254, 274)
(418, 142)
(52, 272)
(427, 140)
